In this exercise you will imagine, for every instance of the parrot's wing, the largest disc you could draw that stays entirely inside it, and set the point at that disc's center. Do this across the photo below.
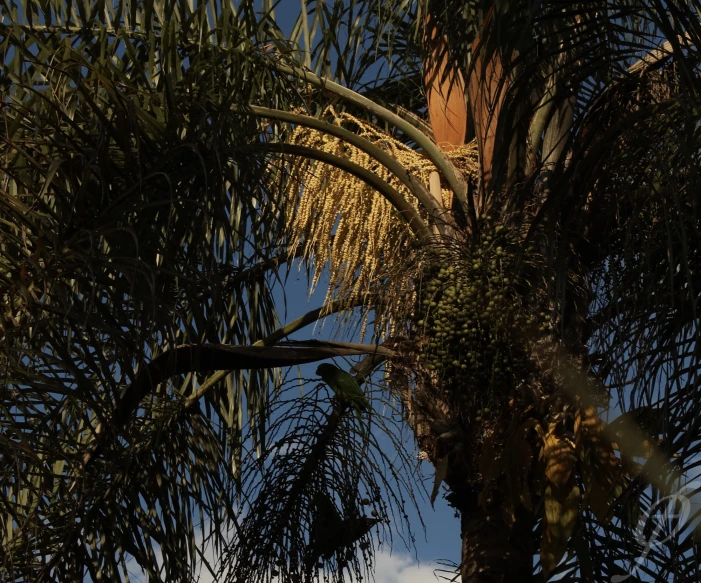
(349, 384)
(343, 385)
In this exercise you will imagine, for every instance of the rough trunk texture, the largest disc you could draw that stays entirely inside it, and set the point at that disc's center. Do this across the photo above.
(491, 551)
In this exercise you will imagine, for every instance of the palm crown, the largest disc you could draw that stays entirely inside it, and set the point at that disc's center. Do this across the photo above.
(165, 160)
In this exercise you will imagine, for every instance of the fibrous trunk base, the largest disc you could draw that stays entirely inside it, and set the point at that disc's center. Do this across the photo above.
(492, 552)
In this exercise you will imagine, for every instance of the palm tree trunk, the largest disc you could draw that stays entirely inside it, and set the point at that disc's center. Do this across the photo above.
(493, 552)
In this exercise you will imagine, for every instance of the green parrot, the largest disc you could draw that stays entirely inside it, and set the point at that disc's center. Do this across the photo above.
(344, 386)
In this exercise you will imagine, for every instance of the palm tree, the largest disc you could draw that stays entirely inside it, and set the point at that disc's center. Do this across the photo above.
(528, 257)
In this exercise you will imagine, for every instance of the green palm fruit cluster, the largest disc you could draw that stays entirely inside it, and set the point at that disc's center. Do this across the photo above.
(472, 322)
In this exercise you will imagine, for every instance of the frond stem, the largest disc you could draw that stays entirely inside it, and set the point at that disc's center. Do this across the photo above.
(271, 339)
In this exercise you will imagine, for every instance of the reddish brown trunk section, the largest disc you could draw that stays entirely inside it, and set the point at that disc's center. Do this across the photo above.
(486, 92)
(491, 551)
(445, 94)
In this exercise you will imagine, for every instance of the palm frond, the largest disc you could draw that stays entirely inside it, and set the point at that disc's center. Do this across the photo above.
(132, 196)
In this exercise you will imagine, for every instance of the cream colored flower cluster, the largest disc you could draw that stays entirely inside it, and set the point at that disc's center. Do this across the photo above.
(342, 222)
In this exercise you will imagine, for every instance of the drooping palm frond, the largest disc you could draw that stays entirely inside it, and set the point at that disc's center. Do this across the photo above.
(645, 318)
(131, 137)
(648, 539)
(132, 201)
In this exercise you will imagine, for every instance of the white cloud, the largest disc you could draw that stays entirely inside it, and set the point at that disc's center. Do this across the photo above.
(389, 568)
(401, 568)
